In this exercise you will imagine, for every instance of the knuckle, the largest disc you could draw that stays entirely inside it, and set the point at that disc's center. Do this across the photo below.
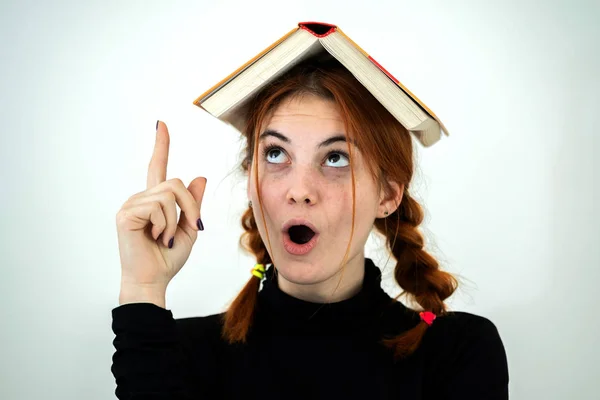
(133, 198)
(169, 197)
(128, 201)
(120, 216)
(136, 195)
(156, 207)
(123, 216)
(176, 182)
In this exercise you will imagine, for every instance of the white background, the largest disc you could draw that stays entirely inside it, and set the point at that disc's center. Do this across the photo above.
(510, 195)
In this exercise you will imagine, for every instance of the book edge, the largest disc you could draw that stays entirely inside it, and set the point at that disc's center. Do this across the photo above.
(208, 92)
(397, 82)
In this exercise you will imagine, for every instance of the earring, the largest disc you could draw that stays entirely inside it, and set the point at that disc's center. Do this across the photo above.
(385, 213)
(250, 204)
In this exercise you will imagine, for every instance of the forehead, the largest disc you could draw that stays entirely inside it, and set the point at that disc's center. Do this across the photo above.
(306, 114)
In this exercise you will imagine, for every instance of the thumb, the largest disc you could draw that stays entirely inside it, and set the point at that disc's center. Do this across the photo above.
(196, 188)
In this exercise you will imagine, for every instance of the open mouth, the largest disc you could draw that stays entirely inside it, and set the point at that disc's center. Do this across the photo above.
(300, 234)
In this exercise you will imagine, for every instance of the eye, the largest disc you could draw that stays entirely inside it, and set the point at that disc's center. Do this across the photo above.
(273, 154)
(339, 159)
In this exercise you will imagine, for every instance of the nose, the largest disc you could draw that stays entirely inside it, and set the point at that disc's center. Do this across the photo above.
(302, 189)
(307, 200)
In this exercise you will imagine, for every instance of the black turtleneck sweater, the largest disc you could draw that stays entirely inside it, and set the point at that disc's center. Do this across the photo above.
(303, 350)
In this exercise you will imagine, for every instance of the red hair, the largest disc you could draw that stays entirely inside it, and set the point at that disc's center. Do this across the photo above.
(387, 148)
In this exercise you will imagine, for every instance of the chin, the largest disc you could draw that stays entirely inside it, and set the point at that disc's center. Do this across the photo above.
(301, 272)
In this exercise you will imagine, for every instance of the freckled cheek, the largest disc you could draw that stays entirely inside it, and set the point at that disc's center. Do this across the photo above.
(337, 197)
(272, 189)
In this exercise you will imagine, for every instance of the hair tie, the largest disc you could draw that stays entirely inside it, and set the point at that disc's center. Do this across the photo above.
(258, 271)
(427, 316)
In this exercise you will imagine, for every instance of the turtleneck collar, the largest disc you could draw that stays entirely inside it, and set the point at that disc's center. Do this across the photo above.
(286, 314)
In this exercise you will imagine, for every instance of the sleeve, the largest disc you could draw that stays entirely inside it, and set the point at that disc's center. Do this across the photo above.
(149, 362)
(480, 369)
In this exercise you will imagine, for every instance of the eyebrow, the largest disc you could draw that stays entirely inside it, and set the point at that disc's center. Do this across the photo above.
(327, 142)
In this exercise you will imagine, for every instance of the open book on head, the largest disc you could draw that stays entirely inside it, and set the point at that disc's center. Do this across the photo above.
(228, 99)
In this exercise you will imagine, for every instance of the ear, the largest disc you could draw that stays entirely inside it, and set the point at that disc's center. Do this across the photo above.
(390, 199)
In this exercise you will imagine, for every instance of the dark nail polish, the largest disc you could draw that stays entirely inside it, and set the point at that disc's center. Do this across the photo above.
(171, 243)
(200, 225)
(156, 124)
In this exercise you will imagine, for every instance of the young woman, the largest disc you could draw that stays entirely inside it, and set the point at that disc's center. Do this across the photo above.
(326, 163)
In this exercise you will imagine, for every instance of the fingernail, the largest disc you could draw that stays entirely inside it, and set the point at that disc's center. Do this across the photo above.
(171, 243)
(157, 124)
(200, 225)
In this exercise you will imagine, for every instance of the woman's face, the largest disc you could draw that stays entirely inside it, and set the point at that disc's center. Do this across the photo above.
(305, 179)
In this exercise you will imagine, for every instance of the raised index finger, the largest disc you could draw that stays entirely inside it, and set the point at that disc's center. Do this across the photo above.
(157, 169)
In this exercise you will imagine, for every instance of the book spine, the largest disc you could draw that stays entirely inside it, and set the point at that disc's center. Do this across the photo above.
(309, 27)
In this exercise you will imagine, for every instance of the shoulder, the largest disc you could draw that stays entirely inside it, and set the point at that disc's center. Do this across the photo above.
(201, 341)
(467, 351)
(205, 328)
(453, 333)
(460, 326)
(459, 336)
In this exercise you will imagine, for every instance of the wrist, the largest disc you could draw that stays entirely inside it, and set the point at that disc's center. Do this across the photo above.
(135, 293)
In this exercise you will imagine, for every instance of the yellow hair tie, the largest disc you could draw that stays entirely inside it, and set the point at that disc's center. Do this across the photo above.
(258, 271)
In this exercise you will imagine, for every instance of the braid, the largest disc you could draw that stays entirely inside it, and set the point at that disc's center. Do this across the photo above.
(417, 272)
(251, 240)
(238, 318)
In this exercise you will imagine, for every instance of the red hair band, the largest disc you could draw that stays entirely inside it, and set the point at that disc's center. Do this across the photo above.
(427, 316)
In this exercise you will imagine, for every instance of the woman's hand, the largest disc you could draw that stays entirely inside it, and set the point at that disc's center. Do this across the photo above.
(147, 224)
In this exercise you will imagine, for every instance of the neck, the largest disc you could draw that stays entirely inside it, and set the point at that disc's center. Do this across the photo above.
(345, 283)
